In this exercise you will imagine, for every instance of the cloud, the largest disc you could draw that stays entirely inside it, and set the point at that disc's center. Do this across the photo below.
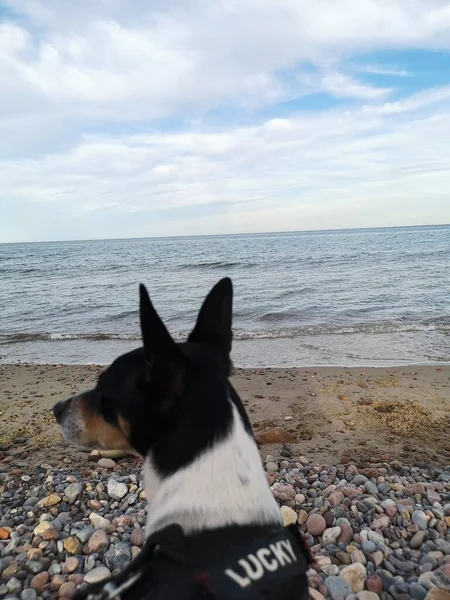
(128, 61)
(392, 71)
(333, 167)
(183, 117)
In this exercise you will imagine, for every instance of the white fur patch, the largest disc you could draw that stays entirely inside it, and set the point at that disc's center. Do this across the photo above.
(224, 485)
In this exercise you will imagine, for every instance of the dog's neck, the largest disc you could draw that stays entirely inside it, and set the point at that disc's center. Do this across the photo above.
(225, 485)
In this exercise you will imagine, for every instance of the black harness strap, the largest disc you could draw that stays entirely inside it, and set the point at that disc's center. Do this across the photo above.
(173, 560)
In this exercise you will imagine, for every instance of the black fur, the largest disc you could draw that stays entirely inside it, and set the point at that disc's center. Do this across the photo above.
(169, 391)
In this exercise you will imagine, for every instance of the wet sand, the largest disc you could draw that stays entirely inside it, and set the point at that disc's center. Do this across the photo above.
(372, 414)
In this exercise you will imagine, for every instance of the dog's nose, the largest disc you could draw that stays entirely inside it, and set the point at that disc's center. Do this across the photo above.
(58, 409)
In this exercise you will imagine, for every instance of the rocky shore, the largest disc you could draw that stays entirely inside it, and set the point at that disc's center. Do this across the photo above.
(376, 530)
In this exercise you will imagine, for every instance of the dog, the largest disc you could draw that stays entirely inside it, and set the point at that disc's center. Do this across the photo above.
(214, 529)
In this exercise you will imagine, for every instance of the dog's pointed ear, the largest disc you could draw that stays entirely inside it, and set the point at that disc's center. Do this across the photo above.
(214, 321)
(157, 340)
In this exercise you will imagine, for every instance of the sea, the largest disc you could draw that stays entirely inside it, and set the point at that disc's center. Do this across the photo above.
(365, 297)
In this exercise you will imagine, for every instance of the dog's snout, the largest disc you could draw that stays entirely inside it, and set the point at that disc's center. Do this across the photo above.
(58, 410)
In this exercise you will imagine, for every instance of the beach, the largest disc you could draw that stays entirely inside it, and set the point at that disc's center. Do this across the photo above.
(363, 472)
(398, 413)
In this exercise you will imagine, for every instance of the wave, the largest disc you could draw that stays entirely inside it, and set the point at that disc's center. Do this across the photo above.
(216, 265)
(241, 334)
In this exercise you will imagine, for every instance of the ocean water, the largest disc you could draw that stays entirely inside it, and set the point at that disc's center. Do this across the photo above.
(354, 297)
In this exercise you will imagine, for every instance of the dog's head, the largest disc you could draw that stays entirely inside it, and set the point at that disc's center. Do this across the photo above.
(164, 394)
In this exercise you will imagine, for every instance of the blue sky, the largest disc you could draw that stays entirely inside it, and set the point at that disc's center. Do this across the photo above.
(122, 119)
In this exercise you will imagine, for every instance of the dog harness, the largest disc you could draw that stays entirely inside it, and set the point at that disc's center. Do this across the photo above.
(231, 563)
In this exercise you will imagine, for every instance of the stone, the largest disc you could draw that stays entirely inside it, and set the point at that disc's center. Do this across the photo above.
(330, 535)
(73, 545)
(71, 564)
(107, 463)
(73, 491)
(41, 527)
(67, 589)
(420, 519)
(322, 561)
(346, 535)
(28, 594)
(100, 522)
(117, 489)
(14, 586)
(368, 546)
(417, 591)
(50, 500)
(374, 584)
(302, 517)
(97, 574)
(355, 575)
(365, 595)
(417, 540)
(432, 496)
(137, 537)
(4, 533)
(316, 524)
(84, 534)
(336, 498)
(381, 522)
(277, 435)
(436, 594)
(338, 588)
(38, 582)
(288, 515)
(118, 556)
(284, 492)
(50, 534)
(98, 541)
(315, 594)
(358, 557)
(10, 571)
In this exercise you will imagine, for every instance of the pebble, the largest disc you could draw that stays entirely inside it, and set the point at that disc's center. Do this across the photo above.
(73, 491)
(97, 574)
(67, 589)
(100, 522)
(355, 575)
(420, 519)
(377, 532)
(118, 556)
(116, 489)
(288, 515)
(28, 594)
(107, 463)
(337, 587)
(316, 524)
(98, 541)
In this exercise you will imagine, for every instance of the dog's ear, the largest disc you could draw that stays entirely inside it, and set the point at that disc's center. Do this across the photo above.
(214, 321)
(157, 340)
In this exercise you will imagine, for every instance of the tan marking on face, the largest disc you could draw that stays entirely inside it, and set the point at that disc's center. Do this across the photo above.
(99, 433)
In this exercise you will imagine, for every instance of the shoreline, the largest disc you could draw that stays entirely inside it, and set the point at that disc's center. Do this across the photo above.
(377, 413)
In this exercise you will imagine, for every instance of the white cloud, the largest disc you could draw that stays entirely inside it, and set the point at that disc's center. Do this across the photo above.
(85, 87)
(339, 167)
(126, 61)
(377, 70)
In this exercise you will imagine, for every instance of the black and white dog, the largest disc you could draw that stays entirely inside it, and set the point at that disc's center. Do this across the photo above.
(214, 529)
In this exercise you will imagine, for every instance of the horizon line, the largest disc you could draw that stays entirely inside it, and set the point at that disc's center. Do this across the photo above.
(210, 235)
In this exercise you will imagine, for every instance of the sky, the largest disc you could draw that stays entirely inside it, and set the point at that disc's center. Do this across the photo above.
(129, 118)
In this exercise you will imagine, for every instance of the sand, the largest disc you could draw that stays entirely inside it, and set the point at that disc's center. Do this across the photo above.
(372, 414)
